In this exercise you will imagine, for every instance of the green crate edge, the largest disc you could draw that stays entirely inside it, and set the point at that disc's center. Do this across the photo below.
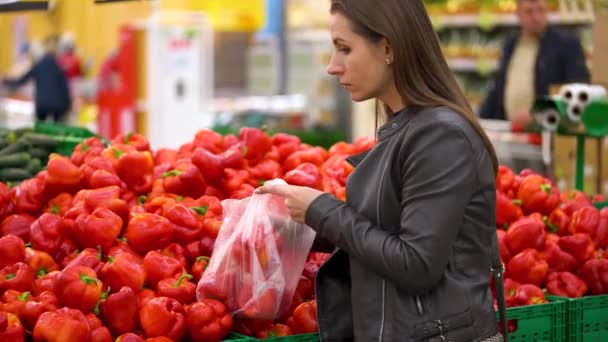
(236, 337)
(555, 309)
(294, 338)
(576, 308)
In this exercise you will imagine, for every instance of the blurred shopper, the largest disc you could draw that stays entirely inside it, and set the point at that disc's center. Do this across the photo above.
(533, 60)
(69, 61)
(52, 95)
(413, 243)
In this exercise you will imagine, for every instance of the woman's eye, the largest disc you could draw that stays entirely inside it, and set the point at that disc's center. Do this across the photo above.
(344, 49)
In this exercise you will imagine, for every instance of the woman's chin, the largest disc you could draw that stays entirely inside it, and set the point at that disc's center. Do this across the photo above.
(358, 97)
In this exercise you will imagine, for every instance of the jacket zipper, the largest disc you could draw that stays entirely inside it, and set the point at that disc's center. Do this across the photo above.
(419, 306)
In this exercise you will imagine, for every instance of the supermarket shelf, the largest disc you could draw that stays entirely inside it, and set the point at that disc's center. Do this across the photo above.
(467, 20)
(472, 64)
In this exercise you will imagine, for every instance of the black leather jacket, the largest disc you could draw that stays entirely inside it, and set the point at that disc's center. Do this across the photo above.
(413, 240)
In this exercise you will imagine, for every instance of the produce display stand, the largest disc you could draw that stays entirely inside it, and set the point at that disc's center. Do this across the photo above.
(536, 323)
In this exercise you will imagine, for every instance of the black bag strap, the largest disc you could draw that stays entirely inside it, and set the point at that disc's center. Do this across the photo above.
(498, 270)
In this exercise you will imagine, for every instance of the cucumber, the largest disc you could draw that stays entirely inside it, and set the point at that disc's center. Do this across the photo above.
(3, 142)
(12, 174)
(39, 152)
(19, 146)
(34, 166)
(40, 140)
(19, 159)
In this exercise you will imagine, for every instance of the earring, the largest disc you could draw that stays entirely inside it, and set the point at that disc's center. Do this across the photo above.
(388, 61)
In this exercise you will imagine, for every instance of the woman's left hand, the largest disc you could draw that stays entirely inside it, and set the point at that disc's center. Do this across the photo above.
(297, 198)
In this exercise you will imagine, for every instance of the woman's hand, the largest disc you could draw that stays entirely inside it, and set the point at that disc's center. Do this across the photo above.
(297, 198)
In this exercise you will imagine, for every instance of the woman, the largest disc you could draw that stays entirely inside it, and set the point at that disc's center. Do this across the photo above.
(414, 238)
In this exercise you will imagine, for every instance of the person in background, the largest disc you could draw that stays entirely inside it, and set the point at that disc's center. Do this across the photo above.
(52, 94)
(69, 61)
(533, 60)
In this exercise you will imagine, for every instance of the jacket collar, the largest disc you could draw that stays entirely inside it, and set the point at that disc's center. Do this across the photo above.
(394, 124)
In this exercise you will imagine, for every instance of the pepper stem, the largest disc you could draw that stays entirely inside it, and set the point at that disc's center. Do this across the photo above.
(24, 296)
(41, 272)
(517, 202)
(102, 299)
(179, 281)
(55, 209)
(10, 276)
(546, 188)
(88, 280)
(202, 210)
(99, 253)
(172, 173)
(141, 199)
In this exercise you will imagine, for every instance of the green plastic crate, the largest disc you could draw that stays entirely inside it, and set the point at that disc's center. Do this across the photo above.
(236, 337)
(601, 205)
(536, 323)
(295, 338)
(587, 319)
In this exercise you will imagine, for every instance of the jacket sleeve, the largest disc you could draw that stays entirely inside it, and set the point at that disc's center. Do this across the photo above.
(575, 63)
(438, 176)
(15, 83)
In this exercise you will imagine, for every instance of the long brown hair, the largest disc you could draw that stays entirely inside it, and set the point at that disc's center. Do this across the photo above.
(422, 75)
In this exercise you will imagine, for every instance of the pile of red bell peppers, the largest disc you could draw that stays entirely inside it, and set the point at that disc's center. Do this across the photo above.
(549, 240)
(109, 243)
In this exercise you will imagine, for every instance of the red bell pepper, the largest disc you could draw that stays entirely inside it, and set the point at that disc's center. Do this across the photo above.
(13, 301)
(135, 169)
(136, 140)
(206, 245)
(209, 164)
(528, 294)
(185, 179)
(40, 262)
(187, 226)
(78, 287)
(119, 311)
(595, 274)
(304, 318)
(528, 267)
(61, 325)
(193, 251)
(233, 179)
(198, 267)
(94, 164)
(88, 257)
(209, 140)
(363, 144)
(256, 142)
(558, 222)
(585, 220)
(18, 225)
(45, 283)
(527, 232)
(100, 334)
(208, 321)
(306, 174)
(250, 327)
(28, 196)
(313, 156)
(579, 245)
(47, 233)
(573, 201)
(537, 195)
(558, 259)
(18, 277)
(505, 253)
(103, 178)
(233, 157)
(158, 267)
(123, 270)
(129, 337)
(244, 191)
(306, 287)
(146, 232)
(144, 296)
(11, 329)
(507, 210)
(162, 316)
(12, 250)
(566, 284)
(283, 138)
(100, 228)
(165, 156)
(159, 339)
(176, 251)
(263, 304)
(67, 252)
(213, 205)
(34, 307)
(89, 148)
(122, 246)
(178, 288)
(6, 205)
(60, 204)
(266, 170)
(511, 287)
(63, 176)
(341, 148)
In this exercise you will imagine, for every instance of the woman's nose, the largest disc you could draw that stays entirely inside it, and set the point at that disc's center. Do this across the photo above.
(334, 68)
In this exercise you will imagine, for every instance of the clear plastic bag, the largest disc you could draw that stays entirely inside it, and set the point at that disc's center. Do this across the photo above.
(258, 257)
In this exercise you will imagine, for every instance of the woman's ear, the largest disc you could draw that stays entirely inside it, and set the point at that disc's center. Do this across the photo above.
(389, 56)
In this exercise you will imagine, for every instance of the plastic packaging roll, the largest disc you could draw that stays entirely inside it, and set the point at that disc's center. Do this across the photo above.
(549, 119)
(578, 96)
